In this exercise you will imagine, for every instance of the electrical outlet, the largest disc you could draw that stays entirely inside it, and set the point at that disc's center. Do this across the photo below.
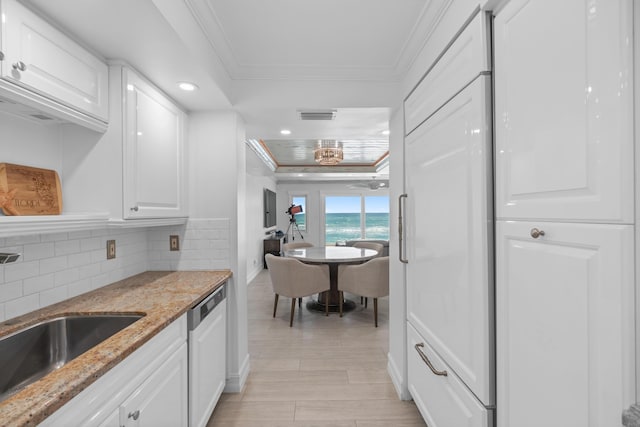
(111, 249)
(174, 242)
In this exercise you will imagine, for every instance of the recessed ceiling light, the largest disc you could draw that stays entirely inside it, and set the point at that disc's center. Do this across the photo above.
(189, 87)
(385, 132)
(285, 132)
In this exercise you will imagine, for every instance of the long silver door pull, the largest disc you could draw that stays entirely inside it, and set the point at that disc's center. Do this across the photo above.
(428, 362)
(401, 230)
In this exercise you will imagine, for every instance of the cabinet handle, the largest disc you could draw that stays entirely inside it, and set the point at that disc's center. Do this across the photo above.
(21, 66)
(134, 415)
(535, 233)
(426, 360)
(401, 230)
(1, 56)
(135, 208)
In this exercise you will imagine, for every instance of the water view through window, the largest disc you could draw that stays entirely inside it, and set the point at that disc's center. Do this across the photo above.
(356, 217)
(301, 218)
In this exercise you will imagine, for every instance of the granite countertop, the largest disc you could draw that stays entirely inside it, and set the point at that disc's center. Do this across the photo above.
(160, 295)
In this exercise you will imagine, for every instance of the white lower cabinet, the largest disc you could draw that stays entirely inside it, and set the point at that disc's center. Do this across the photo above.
(147, 389)
(113, 420)
(565, 324)
(162, 399)
(443, 401)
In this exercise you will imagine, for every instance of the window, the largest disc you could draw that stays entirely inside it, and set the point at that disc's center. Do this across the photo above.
(301, 218)
(376, 211)
(356, 217)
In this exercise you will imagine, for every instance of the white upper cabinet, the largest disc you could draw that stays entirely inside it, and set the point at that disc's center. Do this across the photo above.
(563, 110)
(565, 324)
(154, 184)
(45, 69)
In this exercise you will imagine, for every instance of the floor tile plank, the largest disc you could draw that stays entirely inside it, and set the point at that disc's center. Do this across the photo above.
(322, 372)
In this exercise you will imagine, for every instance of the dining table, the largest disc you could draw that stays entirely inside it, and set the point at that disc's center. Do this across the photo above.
(333, 256)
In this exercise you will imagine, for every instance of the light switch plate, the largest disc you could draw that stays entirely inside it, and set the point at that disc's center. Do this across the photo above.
(111, 249)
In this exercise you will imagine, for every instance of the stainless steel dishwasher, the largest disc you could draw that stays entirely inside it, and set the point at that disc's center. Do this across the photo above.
(207, 355)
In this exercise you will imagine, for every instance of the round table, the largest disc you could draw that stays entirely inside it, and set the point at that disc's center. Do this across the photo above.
(333, 256)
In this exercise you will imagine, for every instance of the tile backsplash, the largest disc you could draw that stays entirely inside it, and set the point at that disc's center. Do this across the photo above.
(204, 245)
(54, 267)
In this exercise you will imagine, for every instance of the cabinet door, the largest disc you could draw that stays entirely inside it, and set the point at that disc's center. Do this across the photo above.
(443, 400)
(153, 151)
(207, 356)
(54, 65)
(449, 229)
(565, 321)
(460, 64)
(161, 401)
(563, 110)
(113, 420)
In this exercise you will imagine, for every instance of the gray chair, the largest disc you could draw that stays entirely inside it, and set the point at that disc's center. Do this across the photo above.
(295, 245)
(369, 245)
(379, 247)
(295, 279)
(384, 243)
(370, 279)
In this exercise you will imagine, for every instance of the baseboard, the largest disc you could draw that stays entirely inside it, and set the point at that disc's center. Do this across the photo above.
(397, 379)
(235, 383)
(252, 274)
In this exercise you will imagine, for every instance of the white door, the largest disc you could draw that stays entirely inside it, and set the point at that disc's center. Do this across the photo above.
(153, 164)
(565, 322)
(449, 229)
(563, 107)
(43, 59)
(161, 401)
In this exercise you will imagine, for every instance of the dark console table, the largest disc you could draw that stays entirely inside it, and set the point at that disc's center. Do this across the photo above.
(273, 245)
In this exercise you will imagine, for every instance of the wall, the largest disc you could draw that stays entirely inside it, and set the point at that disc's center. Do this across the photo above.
(54, 267)
(315, 192)
(397, 290)
(259, 177)
(217, 191)
(204, 245)
(57, 266)
(21, 139)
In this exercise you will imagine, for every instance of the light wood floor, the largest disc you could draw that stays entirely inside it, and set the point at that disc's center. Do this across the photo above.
(324, 371)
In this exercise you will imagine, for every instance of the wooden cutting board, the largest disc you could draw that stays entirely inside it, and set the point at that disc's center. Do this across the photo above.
(26, 190)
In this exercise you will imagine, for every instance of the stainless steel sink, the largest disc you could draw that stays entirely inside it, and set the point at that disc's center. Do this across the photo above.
(31, 353)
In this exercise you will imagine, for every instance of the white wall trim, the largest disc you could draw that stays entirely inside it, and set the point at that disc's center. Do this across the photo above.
(253, 274)
(398, 379)
(236, 381)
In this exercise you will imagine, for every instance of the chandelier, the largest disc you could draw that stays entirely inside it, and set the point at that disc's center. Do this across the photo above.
(328, 152)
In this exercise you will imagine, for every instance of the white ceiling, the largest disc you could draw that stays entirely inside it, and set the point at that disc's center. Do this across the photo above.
(264, 58)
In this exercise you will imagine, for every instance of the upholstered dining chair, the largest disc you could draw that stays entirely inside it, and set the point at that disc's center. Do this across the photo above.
(295, 245)
(370, 279)
(294, 279)
(370, 245)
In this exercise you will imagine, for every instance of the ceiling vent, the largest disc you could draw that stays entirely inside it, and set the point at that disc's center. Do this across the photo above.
(317, 114)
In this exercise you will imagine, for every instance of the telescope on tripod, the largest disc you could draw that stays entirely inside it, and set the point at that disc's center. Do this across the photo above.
(293, 225)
